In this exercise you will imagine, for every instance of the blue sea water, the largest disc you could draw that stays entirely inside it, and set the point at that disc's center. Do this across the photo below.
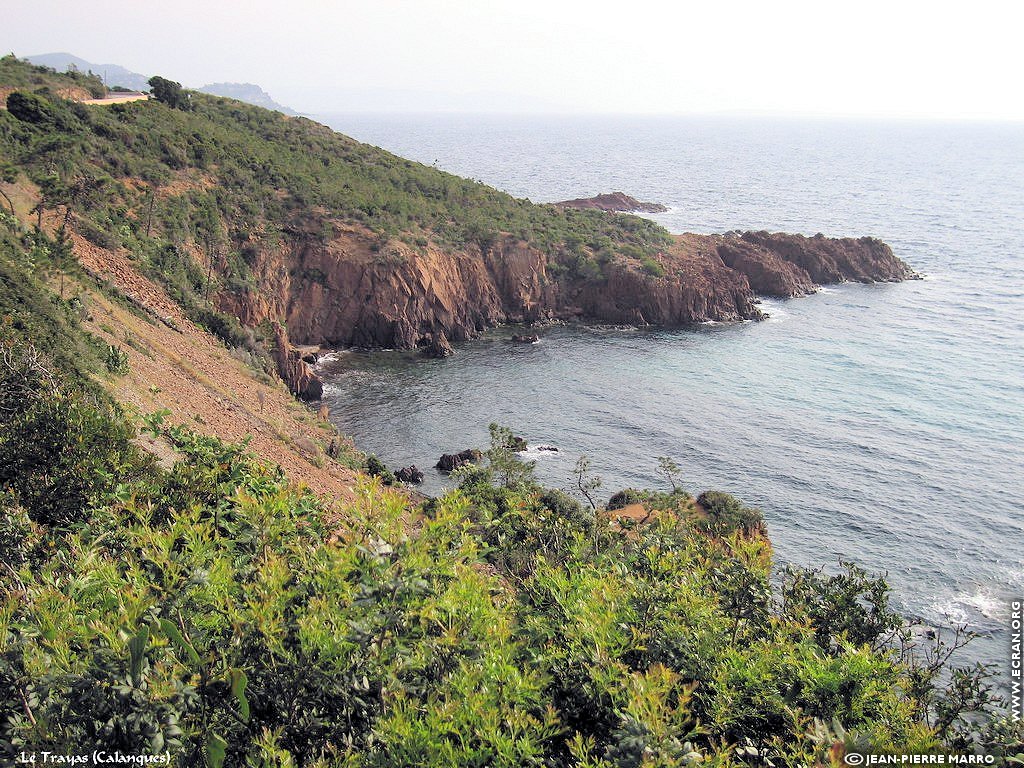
(879, 424)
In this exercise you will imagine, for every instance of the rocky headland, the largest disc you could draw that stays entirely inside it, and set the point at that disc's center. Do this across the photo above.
(347, 294)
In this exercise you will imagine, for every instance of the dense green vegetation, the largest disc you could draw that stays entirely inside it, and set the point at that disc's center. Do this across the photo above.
(214, 611)
(29, 310)
(218, 613)
(20, 74)
(193, 186)
(256, 174)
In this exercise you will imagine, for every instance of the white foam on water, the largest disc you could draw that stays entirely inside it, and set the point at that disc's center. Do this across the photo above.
(330, 357)
(775, 310)
(539, 450)
(970, 608)
(987, 604)
(331, 388)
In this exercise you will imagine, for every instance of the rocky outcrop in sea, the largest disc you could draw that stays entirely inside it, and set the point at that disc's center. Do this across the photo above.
(618, 202)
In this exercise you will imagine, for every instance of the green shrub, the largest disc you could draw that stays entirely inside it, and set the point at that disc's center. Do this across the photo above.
(652, 267)
(624, 498)
(726, 514)
(17, 533)
(29, 108)
(376, 468)
(60, 455)
(566, 508)
(849, 606)
(116, 360)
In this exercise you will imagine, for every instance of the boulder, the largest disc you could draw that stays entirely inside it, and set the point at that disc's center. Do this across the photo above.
(410, 474)
(438, 346)
(449, 462)
(525, 339)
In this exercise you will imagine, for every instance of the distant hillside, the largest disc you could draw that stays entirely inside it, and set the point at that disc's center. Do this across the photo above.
(112, 74)
(116, 75)
(250, 93)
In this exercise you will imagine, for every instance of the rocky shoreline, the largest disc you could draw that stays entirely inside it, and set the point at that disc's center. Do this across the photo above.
(345, 294)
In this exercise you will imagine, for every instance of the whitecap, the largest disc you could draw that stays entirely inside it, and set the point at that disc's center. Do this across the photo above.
(987, 604)
(774, 310)
(539, 450)
(971, 607)
(330, 357)
(333, 390)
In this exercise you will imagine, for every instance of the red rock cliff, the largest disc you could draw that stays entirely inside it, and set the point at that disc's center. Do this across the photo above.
(351, 291)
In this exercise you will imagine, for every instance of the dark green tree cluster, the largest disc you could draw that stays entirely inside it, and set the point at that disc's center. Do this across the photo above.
(170, 93)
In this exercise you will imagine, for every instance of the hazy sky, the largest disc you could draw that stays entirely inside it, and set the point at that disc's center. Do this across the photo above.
(886, 58)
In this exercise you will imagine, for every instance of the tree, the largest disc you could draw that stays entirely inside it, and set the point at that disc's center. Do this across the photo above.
(170, 93)
(586, 483)
(670, 470)
(504, 461)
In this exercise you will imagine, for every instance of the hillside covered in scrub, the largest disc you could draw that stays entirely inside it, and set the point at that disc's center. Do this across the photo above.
(193, 563)
(261, 218)
(205, 606)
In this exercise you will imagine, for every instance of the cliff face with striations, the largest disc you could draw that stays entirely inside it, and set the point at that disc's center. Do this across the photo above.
(351, 292)
(834, 260)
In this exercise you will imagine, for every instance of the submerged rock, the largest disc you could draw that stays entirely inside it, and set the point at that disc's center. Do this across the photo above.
(525, 338)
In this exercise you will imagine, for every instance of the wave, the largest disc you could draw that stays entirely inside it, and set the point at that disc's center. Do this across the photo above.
(775, 309)
(540, 450)
(331, 357)
(978, 609)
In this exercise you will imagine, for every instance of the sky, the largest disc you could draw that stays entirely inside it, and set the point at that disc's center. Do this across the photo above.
(938, 59)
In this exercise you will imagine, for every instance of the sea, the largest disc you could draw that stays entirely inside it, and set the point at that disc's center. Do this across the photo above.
(876, 424)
